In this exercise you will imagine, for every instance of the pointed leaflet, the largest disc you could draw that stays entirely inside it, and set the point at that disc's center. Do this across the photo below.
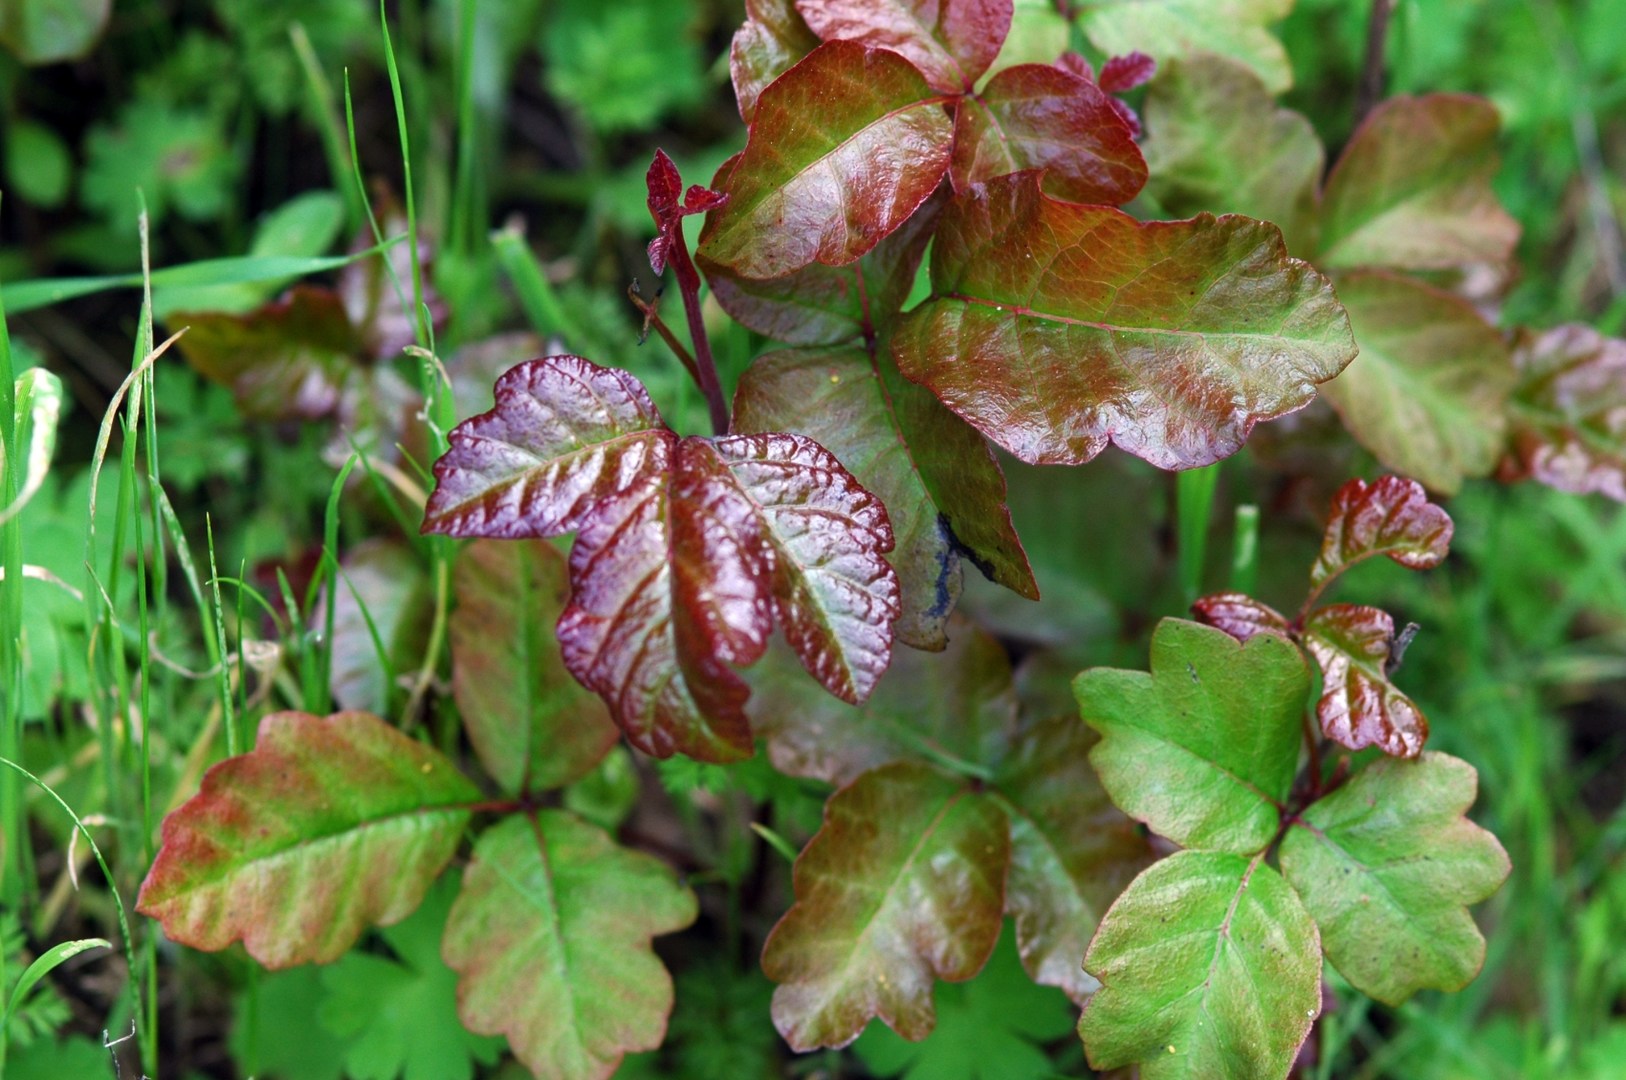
(943, 489)
(1121, 74)
(1056, 328)
(1216, 140)
(1390, 516)
(1036, 116)
(1568, 414)
(669, 204)
(1427, 394)
(843, 148)
(550, 939)
(903, 884)
(1386, 865)
(773, 38)
(1412, 190)
(1169, 28)
(327, 827)
(1239, 615)
(951, 42)
(532, 726)
(1202, 749)
(1359, 706)
(1072, 851)
(1209, 967)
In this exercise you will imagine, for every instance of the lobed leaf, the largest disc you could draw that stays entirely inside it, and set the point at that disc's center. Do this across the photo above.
(951, 42)
(1390, 516)
(1209, 966)
(1177, 28)
(1386, 865)
(903, 884)
(1568, 412)
(550, 938)
(772, 40)
(1240, 615)
(1359, 706)
(328, 826)
(1057, 328)
(1203, 748)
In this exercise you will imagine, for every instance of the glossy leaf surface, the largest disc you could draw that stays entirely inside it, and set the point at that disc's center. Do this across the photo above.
(1386, 865)
(1359, 706)
(1239, 615)
(951, 42)
(904, 884)
(669, 204)
(550, 938)
(1204, 747)
(1390, 516)
(773, 38)
(1166, 29)
(1568, 414)
(1056, 328)
(1209, 966)
(328, 826)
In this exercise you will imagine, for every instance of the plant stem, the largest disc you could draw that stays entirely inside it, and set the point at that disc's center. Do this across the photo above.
(1370, 91)
(705, 367)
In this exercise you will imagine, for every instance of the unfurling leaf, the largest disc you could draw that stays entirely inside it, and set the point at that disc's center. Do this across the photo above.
(1568, 413)
(1390, 516)
(1240, 615)
(1057, 328)
(1121, 74)
(1209, 967)
(903, 884)
(1203, 748)
(669, 204)
(327, 827)
(1386, 865)
(773, 38)
(1169, 28)
(951, 42)
(550, 939)
(1359, 706)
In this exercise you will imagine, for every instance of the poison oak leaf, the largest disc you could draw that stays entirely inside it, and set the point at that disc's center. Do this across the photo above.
(1568, 413)
(773, 38)
(1239, 615)
(1359, 706)
(951, 42)
(1390, 516)
(669, 204)
(1121, 74)
(1178, 28)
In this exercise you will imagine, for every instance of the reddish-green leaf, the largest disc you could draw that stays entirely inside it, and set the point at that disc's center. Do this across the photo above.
(1209, 966)
(550, 938)
(1036, 116)
(1203, 749)
(669, 204)
(843, 148)
(1121, 74)
(531, 724)
(903, 884)
(1359, 706)
(1167, 29)
(1390, 516)
(1056, 328)
(1072, 851)
(327, 827)
(1239, 615)
(1386, 865)
(381, 583)
(951, 42)
(1568, 414)
(1412, 190)
(773, 38)
(1428, 393)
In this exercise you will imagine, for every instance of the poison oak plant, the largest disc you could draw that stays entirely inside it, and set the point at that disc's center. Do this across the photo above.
(831, 508)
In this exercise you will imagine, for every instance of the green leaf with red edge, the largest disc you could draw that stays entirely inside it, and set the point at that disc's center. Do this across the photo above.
(951, 42)
(380, 582)
(1412, 189)
(956, 705)
(1387, 865)
(1428, 394)
(1568, 413)
(1166, 29)
(1359, 706)
(533, 726)
(1072, 851)
(328, 826)
(1390, 516)
(844, 147)
(1217, 141)
(1036, 116)
(1056, 328)
(1239, 615)
(550, 938)
(943, 489)
(1203, 748)
(1210, 966)
(773, 38)
(904, 884)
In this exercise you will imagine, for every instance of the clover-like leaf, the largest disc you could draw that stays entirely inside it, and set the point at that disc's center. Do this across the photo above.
(1390, 516)
(1057, 328)
(1037, 116)
(550, 938)
(1239, 615)
(1166, 29)
(1387, 865)
(903, 884)
(1204, 747)
(1568, 413)
(328, 826)
(1412, 189)
(951, 42)
(1428, 393)
(532, 725)
(1209, 966)
(772, 39)
(843, 148)
(1359, 706)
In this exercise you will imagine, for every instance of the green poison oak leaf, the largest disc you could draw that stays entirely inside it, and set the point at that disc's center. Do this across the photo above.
(951, 42)
(1359, 706)
(1204, 747)
(688, 550)
(1056, 328)
(773, 38)
(532, 725)
(1209, 967)
(903, 884)
(669, 204)
(1568, 413)
(1387, 864)
(328, 826)
(1390, 516)
(1240, 615)
(550, 938)
(1178, 28)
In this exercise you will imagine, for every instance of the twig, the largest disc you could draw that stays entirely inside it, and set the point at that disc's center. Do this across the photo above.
(1373, 71)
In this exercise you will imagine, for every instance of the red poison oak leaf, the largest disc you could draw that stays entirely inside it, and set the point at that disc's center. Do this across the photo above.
(772, 39)
(1122, 74)
(1239, 615)
(665, 187)
(951, 42)
(1359, 706)
(1390, 516)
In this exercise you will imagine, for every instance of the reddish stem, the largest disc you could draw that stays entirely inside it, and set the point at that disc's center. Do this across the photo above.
(688, 279)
